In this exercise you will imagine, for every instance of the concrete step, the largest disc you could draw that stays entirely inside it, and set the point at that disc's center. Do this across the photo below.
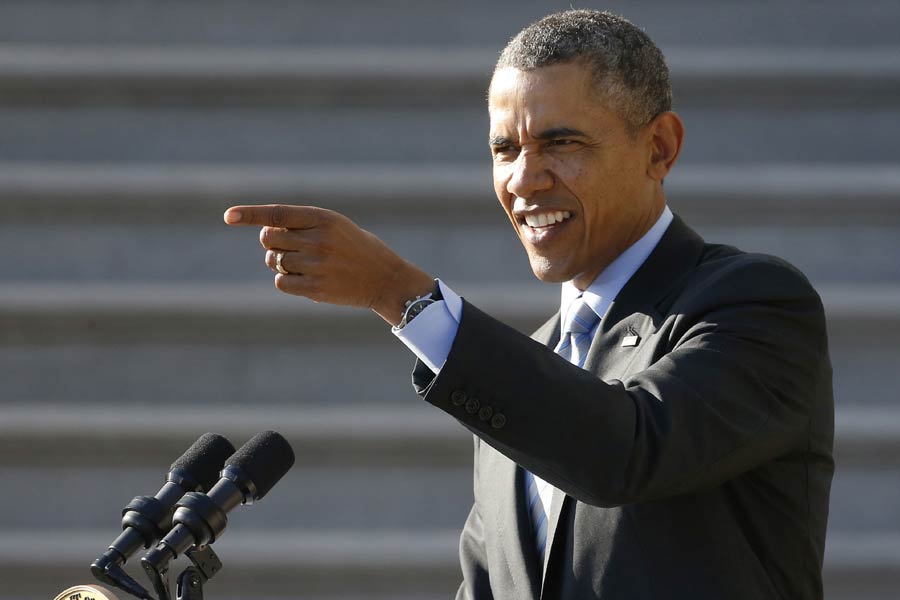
(723, 76)
(414, 493)
(291, 562)
(398, 23)
(414, 136)
(173, 344)
(474, 245)
(318, 498)
(349, 433)
(706, 194)
(298, 564)
(102, 433)
(370, 498)
(848, 308)
(242, 135)
(375, 368)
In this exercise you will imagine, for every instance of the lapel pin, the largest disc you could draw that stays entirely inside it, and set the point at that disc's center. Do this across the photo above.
(632, 339)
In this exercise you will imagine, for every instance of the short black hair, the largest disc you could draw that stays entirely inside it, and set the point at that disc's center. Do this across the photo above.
(629, 70)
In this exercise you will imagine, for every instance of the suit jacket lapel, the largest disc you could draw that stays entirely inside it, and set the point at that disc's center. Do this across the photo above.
(636, 309)
(557, 506)
(548, 335)
(514, 522)
(513, 526)
(676, 254)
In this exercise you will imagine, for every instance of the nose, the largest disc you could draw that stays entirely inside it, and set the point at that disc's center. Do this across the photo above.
(529, 175)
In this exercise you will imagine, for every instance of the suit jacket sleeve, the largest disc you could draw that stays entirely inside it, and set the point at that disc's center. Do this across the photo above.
(740, 362)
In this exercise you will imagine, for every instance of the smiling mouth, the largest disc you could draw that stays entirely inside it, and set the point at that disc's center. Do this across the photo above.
(546, 219)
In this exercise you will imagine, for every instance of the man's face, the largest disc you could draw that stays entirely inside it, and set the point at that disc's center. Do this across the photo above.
(571, 177)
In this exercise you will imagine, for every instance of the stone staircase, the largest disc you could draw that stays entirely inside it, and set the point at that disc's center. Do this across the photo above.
(132, 319)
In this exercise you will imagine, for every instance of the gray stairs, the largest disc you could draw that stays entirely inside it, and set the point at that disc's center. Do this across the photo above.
(132, 319)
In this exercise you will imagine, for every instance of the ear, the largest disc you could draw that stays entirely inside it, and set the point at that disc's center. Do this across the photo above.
(666, 135)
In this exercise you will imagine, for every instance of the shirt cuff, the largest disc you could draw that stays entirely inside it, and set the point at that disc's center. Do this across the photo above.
(430, 335)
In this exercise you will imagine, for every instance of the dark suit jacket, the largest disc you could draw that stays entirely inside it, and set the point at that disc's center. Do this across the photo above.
(694, 465)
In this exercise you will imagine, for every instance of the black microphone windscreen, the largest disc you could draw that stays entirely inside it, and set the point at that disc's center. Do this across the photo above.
(204, 459)
(265, 459)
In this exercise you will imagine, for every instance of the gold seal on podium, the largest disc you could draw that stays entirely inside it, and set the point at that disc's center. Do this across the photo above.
(87, 592)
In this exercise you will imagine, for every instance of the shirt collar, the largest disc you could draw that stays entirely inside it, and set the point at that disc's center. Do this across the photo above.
(603, 290)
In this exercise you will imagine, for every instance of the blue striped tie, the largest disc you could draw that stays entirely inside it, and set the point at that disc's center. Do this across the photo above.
(536, 510)
(576, 332)
(574, 342)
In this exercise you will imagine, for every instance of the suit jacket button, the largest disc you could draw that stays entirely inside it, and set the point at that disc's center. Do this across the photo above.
(485, 413)
(472, 405)
(458, 397)
(498, 421)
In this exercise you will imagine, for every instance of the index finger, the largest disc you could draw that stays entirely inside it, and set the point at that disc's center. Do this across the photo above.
(273, 215)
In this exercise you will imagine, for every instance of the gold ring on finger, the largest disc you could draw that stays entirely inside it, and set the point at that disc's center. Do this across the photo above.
(279, 256)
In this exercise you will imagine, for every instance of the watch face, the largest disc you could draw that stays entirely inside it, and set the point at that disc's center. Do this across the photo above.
(418, 307)
(415, 308)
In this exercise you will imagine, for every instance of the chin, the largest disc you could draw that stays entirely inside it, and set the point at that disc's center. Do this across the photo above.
(546, 272)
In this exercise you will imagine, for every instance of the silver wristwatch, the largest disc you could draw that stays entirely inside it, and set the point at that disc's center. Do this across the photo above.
(415, 306)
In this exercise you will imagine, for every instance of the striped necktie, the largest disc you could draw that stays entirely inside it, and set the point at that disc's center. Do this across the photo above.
(575, 339)
(574, 342)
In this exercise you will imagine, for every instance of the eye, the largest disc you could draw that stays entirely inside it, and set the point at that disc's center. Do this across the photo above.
(561, 142)
(504, 150)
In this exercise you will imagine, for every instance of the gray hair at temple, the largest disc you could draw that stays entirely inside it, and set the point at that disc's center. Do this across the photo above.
(629, 70)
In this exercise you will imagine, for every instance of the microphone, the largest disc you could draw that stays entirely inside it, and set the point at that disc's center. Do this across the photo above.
(200, 519)
(146, 519)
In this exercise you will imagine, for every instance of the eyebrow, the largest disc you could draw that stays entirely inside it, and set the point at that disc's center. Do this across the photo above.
(558, 132)
(548, 134)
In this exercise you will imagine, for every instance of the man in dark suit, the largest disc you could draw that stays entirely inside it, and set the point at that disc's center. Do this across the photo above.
(666, 435)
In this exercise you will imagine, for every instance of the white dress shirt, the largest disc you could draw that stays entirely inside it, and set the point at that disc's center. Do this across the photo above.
(430, 335)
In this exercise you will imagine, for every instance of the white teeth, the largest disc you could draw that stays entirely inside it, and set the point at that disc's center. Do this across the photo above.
(544, 219)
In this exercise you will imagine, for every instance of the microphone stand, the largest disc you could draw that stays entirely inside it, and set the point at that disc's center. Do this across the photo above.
(189, 584)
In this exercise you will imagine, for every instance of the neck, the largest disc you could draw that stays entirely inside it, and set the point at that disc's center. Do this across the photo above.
(638, 230)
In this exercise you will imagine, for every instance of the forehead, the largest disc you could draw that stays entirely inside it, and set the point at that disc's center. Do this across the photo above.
(563, 94)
